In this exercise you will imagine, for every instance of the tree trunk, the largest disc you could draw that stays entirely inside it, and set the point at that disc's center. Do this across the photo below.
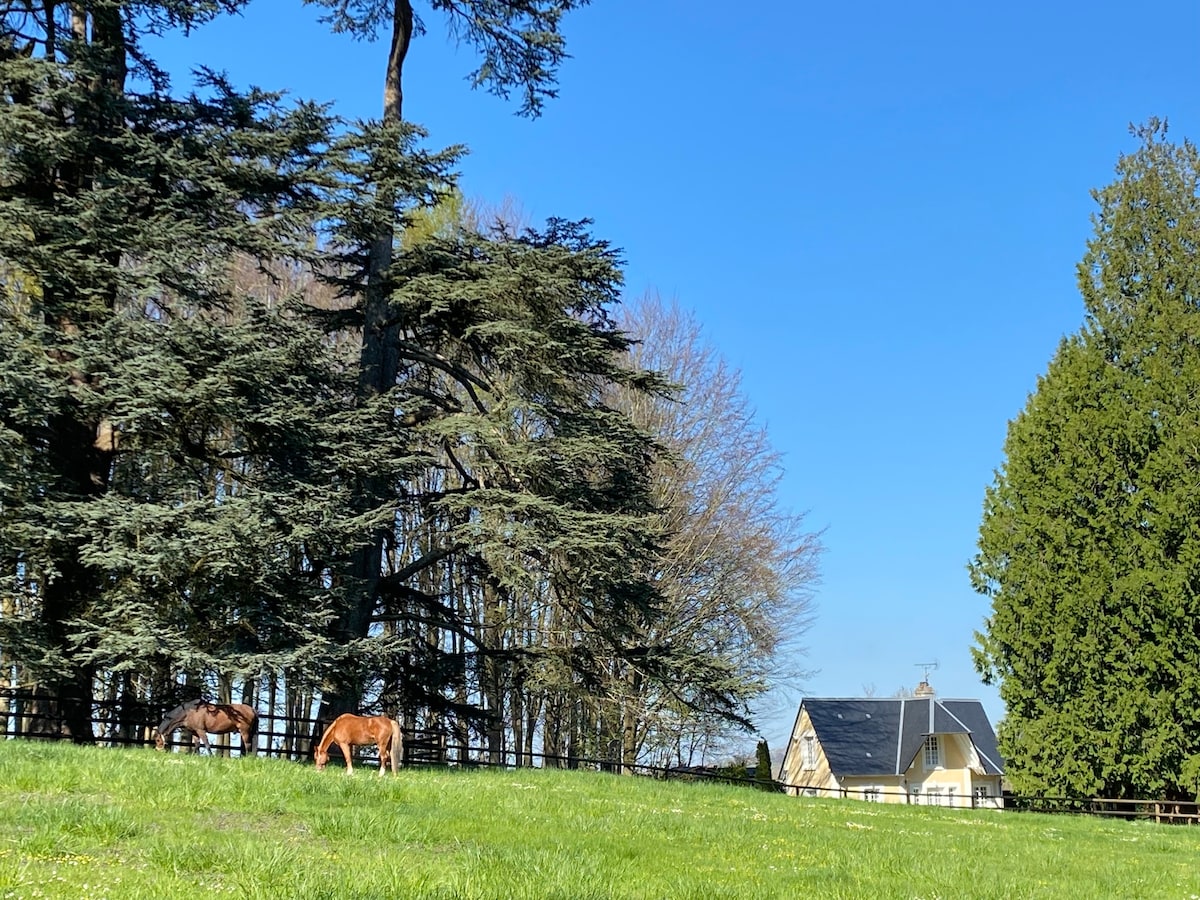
(532, 714)
(491, 680)
(379, 363)
(79, 457)
(552, 731)
(516, 714)
(631, 737)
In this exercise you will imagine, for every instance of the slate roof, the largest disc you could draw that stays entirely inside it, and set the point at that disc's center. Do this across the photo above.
(881, 737)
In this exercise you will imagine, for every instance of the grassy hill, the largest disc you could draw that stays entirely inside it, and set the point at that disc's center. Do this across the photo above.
(85, 822)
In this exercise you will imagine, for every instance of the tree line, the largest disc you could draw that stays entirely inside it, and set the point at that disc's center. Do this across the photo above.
(280, 420)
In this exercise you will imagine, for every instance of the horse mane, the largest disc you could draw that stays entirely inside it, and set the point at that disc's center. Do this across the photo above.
(326, 740)
(176, 715)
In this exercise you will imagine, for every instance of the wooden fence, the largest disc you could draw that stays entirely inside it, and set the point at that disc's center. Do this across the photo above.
(1167, 811)
(1173, 812)
(128, 722)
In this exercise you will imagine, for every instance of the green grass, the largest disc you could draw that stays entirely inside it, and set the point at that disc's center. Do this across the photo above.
(85, 822)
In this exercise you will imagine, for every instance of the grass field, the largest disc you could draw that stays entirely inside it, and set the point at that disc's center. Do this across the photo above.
(86, 822)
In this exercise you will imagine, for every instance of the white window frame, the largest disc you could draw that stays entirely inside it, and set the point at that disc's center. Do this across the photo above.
(931, 752)
(951, 795)
(982, 792)
(914, 795)
(872, 793)
(933, 795)
(808, 751)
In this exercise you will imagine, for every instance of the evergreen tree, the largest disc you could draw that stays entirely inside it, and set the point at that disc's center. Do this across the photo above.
(201, 477)
(1089, 547)
(521, 48)
(762, 768)
(537, 496)
(132, 406)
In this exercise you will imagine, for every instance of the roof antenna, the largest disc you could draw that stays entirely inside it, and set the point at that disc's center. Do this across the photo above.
(925, 689)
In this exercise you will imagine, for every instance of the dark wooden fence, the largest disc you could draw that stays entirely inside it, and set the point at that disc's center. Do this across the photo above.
(1168, 811)
(127, 722)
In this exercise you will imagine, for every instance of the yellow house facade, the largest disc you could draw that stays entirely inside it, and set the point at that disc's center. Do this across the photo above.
(918, 750)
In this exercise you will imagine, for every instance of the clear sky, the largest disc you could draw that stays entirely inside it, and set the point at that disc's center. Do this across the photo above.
(874, 209)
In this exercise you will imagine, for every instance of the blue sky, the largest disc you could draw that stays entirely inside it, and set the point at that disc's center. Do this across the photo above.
(874, 209)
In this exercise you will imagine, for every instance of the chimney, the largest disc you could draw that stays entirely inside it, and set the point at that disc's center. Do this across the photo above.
(924, 689)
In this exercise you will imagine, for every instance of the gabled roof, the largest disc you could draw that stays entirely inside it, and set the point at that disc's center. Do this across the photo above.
(881, 737)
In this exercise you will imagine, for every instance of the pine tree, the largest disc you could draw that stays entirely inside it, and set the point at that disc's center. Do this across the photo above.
(1089, 547)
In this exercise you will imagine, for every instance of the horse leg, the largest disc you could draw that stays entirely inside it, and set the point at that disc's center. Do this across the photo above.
(348, 752)
(395, 745)
(383, 756)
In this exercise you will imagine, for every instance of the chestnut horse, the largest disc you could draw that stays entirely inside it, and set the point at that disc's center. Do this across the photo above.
(201, 718)
(349, 731)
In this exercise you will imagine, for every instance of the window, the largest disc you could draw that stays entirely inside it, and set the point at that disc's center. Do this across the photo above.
(982, 792)
(933, 752)
(808, 751)
(811, 792)
(933, 796)
(914, 796)
(873, 794)
(951, 793)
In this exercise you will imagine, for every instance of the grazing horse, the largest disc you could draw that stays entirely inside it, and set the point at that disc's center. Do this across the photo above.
(349, 731)
(202, 718)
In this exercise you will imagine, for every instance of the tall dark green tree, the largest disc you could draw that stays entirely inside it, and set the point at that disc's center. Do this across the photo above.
(1089, 549)
(132, 407)
(521, 48)
(195, 476)
(537, 490)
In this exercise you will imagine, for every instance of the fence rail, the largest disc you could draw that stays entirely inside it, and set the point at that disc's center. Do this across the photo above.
(1173, 812)
(129, 722)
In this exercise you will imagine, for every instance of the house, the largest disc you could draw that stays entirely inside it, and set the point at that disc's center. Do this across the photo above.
(917, 749)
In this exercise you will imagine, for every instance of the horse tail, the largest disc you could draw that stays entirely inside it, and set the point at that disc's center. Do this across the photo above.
(397, 748)
(250, 735)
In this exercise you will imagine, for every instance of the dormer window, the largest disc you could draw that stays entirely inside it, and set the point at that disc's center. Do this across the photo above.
(933, 752)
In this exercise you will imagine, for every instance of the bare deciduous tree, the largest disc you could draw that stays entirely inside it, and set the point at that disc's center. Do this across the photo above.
(737, 569)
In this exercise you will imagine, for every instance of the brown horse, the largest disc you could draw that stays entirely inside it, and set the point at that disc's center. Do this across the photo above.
(349, 731)
(202, 718)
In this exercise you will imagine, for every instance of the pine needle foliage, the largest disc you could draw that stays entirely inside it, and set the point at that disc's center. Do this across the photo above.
(156, 418)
